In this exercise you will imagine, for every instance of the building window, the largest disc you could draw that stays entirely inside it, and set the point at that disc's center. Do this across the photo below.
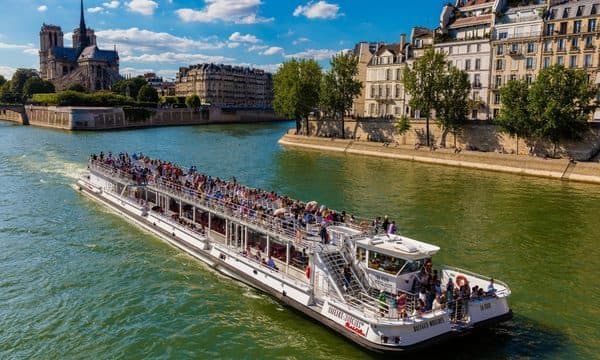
(591, 25)
(528, 79)
(573, 61)
(566, 13)
(500, 50)
(499, 64)
(503, 35)
(529, 63)
(496, 113)
(530, 47)
(550, 29)
(553, 14)
(548, 45)
(594, 10)
(514, 48)
(477, 81)
(546, 62)
(474, 114)
(477, 64)
(496, 98)
(388, 74)
(514, 64)
(575, 43)
(513, 77)
(561, 45)
(397, 91)
(589, 42)
(373, 92)
(587, 61)
(399, 74)
(577, 27)
(498, 81)
(560, 60)
(580, 10)
(563, 28)
(468, 64)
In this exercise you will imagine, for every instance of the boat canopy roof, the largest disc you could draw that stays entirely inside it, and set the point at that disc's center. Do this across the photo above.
(398, 246)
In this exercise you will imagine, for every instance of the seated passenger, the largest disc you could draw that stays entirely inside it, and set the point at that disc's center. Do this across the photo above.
(437, 303)
(271, 263)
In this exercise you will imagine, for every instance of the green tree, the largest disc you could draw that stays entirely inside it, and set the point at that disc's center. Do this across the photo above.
(78, 88)
(423, 83)
(340, 86)
(2, 80)
(35, 85)
(7, 95)
(296, 90)
(514, 117)
(148, 94)
(560, 103)
(129, 87)
(403, 125)
(193, 102)
(452, 107)
(19, 79)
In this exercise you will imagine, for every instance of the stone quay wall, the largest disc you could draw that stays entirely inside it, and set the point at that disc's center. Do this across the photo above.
(110, 118)
(13, 116)
(476, 135)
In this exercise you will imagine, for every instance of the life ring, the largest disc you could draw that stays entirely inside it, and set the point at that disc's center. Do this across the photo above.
(461, 280)
(307, 272)
(364, 226)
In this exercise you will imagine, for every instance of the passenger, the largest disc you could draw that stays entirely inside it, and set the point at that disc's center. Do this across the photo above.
(491, 290)
(382, 300)
(437, 303)
(386, 223)
(392, 228)
(271, 263)
(347, 277)
(401, 305)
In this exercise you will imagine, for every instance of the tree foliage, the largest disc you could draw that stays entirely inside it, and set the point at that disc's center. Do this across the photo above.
(515, 118)
(296, 89)
(7, 95)
(403, 125)
(423, 82)
(129, 87)
(340, 87)
(35, 85)
(2, 80)
(193, 102)
(78, 88)
(148, 94)
(560, 103)
(452, 106)
(74, 98)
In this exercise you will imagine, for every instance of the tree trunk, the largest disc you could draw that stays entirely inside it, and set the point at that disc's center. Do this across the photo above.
(307, 127)
(517, 144)
(343, 127)
(298, 126)
(427, 127)
(454, 134)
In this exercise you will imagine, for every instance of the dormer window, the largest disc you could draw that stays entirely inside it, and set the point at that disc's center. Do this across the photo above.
(594, 9)
(552, 14)
(566, 13)
(580, 10)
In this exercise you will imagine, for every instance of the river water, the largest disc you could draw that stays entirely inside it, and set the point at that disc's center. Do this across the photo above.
(78, 282)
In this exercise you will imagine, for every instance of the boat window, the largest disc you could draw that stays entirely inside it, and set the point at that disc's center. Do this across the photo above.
(385, 263)
(361, 254)
(412, 266)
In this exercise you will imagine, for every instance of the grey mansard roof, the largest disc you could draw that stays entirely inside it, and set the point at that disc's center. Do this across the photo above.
(62, 53)
(92, 52)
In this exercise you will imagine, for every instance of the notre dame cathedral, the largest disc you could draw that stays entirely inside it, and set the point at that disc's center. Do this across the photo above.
(82, 64)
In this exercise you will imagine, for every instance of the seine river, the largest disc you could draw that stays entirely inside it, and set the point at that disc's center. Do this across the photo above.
(78, 282)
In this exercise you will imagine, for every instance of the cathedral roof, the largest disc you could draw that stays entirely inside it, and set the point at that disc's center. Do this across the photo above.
(63, 53)
(93, 53)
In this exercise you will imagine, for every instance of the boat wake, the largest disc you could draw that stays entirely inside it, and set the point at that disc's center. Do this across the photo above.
(49, 163)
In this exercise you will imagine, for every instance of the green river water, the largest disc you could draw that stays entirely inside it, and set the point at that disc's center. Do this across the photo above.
(76, 281)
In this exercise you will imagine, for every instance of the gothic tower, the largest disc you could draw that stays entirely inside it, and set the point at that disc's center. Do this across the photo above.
(83, 37)
(51, 36)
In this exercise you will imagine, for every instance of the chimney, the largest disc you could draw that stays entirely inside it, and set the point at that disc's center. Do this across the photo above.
(402, 40)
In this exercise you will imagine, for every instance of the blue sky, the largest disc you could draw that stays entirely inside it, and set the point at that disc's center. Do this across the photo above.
(162, 35)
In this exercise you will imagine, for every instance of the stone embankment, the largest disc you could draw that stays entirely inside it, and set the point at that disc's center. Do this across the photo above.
(517, 164)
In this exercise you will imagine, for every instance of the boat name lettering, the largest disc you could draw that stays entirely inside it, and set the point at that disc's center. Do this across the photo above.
(485, 306)
(426, 325)
(350, 321)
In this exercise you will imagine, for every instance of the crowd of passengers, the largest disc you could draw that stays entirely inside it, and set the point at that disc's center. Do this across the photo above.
(434, 296)
(250, 201)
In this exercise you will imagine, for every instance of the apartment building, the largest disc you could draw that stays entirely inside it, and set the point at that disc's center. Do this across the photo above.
(464, 36)
(364, 51)
(383, 89)
(226, 85)
(516, 47)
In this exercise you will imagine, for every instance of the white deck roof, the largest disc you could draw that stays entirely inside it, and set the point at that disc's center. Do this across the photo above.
(399, 246)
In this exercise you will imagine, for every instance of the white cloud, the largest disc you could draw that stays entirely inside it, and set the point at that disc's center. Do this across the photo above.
(272, 51)
(133, 40)
(317, 54)
(7, 71)
(32, 51)
(111, 5)
(233, 45)
(144, 7)
(257, 47)
(234, 11)
(171, 57)
(318, 10)
(42, 8)
(266, 67)
(28, 49)
(96, 9)
(300, 40)
(248, 38)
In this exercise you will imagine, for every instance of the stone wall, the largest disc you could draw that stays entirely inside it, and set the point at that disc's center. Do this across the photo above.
(13, 116)
(477, 135)
(80, 118)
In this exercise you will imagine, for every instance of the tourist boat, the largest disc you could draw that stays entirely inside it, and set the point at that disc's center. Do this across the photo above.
(348, 283)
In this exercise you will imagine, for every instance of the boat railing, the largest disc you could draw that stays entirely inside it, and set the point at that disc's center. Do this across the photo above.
(500, 293)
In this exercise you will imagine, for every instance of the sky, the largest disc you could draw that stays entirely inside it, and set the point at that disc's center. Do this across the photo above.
(163, 35)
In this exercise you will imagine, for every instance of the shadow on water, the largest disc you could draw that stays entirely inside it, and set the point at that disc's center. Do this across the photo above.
(241, 132)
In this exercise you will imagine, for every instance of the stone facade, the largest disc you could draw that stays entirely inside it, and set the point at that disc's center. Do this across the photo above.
(364, 52)
(226, 85)
(83, 64)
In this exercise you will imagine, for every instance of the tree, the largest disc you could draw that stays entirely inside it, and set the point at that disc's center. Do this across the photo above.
(18, 81)
(129, 87)
(148, 94)
(452, 107)
(340, 86)
(193, 102)
(2, 80)
(35, 85)
(560, 103)
(6, 94)
(423, 82)
(514, 117)
(77, 88)
(296, 90)
(403, 125)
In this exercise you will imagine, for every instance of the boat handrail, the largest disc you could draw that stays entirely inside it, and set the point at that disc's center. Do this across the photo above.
(483, 277)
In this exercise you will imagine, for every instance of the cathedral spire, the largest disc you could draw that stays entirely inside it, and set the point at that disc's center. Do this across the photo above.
(83, 39)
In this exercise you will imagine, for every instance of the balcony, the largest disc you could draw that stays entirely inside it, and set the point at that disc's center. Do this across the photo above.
(573, 49)
(515, 53)
(476, 85)
(589, 47)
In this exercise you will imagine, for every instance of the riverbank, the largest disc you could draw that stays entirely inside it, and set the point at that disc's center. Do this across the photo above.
(561, 169)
